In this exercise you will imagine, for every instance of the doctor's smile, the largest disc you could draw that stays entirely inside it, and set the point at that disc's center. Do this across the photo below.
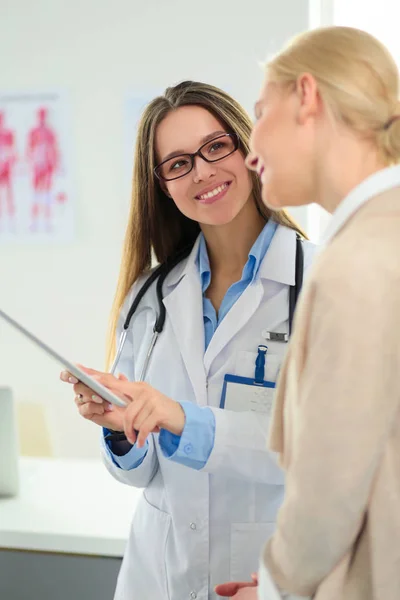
(213, 193)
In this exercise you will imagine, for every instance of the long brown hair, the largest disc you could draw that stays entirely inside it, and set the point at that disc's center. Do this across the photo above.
(155, 223)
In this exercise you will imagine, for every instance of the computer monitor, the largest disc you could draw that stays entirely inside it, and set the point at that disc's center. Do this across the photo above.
(9, 453)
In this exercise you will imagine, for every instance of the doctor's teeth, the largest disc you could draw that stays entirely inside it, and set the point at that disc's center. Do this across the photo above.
(214, 192)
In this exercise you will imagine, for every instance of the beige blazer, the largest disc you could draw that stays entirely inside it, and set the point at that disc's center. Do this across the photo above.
(336, 422)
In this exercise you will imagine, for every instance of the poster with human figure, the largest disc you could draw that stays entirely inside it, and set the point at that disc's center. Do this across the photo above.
(8, 158)
(36, 191)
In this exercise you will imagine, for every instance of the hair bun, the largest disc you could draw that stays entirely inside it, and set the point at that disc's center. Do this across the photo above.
(390, 137)
(390, 122)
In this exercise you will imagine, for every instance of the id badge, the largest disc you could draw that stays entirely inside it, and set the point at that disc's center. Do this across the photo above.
(245, 394)
(249, 394)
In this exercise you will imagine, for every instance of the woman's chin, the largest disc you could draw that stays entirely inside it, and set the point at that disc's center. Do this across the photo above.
(219, 218)
(270, 199)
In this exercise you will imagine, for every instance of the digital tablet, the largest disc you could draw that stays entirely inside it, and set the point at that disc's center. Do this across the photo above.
(83, 377)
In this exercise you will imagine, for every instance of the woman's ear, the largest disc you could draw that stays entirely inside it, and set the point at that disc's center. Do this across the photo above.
(165, 190)
(163, 187)
(308, 96)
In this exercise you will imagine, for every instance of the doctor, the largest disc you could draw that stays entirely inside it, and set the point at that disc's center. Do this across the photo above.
(194, 433)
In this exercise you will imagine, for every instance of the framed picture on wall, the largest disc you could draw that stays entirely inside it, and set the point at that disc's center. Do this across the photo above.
(36, 191)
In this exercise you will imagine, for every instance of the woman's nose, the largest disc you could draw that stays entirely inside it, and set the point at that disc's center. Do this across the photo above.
(203, 170)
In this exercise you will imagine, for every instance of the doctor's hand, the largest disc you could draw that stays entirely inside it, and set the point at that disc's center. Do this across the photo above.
(148, 410)
(239, 590)
(93, 408)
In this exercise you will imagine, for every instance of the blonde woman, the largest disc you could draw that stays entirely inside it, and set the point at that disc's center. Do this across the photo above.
(193, 439)
(328, 131)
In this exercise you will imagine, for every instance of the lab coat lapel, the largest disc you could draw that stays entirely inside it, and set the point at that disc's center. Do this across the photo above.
(277, 265)
(234, 321)
(184, 305)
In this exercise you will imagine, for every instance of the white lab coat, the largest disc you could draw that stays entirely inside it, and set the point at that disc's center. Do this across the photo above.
(193, 529)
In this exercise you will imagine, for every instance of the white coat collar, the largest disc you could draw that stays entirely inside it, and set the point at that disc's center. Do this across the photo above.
(183, 267)
(279, 263)
(369, 188)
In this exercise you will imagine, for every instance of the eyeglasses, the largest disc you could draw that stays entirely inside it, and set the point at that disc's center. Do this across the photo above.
(216, 149)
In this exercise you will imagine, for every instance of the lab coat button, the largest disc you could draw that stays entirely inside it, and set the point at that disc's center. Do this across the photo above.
(193, 526)
(193, 595)
(188, 448)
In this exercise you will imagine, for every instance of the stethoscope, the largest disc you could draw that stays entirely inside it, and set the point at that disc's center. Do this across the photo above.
(160, 274)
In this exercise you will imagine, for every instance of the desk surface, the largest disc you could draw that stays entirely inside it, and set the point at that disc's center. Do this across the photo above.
(65, 505)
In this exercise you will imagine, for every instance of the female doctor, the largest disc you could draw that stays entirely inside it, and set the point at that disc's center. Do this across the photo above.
(196, 442)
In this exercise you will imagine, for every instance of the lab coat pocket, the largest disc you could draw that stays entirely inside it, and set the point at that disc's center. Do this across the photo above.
(143, 573)
(247, 542)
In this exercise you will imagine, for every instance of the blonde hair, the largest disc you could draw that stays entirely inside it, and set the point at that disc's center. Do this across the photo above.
(155, 225)
(357, 78)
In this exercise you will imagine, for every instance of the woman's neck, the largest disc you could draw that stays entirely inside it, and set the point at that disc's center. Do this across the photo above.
(347, 163)
(229, 245)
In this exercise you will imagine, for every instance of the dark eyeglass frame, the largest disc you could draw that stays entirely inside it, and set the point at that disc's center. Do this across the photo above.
(192, 156)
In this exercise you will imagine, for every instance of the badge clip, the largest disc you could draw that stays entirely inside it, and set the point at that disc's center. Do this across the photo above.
(274, 336)
(260, 365)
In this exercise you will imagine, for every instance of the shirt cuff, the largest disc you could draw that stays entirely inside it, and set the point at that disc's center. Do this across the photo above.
(195, 445)
(131, 460)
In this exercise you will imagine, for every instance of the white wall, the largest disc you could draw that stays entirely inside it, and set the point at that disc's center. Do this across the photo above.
(376, 18)
(98, 50)
(379, 19)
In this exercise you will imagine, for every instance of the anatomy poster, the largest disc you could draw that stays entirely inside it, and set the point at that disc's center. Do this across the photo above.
(36, 203)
